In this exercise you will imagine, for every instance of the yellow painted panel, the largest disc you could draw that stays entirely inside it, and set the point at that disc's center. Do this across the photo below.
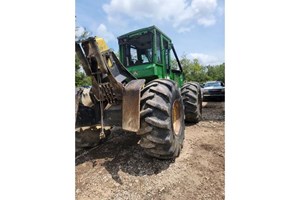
(101, 44)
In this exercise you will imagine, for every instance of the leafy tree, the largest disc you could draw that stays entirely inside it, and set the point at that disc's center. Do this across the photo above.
(81, 79)
(80, 36)
(194, 71)
(216, 72)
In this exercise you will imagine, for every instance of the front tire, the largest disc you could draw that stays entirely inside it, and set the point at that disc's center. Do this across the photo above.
(162, 119)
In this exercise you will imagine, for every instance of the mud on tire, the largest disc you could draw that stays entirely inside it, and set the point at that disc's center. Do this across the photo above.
(162, 119)
(192, 99)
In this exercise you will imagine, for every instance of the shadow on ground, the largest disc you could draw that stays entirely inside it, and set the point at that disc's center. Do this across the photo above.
(122, 153)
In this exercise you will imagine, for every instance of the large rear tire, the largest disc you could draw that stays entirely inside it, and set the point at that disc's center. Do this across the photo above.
(192, 99)
(162, 119)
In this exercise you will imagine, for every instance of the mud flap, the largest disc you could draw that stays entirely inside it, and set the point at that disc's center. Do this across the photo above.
(131, 105)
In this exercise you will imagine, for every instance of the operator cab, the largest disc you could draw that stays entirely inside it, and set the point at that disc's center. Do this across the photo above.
(146, 54)
(136, 50)
(145, 46)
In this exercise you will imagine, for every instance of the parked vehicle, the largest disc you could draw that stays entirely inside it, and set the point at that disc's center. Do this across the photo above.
(213, 90)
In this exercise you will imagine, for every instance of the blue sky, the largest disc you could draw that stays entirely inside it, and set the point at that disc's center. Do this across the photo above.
(196, 27)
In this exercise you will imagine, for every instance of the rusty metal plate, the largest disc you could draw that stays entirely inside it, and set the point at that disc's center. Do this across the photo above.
(131, 105)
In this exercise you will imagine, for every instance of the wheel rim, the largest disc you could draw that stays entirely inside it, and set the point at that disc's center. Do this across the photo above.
(176, 115)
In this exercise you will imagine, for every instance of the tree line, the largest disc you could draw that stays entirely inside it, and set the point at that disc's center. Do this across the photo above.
(194, 71)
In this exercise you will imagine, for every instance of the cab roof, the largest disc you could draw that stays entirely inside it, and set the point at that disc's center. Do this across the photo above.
(147, 29)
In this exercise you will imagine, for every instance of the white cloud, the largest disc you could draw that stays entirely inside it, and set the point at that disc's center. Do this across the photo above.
(205, 59)
(184, 29)
(104, 33)
(206, 21)
(182, 14)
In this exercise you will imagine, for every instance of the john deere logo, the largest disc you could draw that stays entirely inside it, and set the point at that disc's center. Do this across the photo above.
(135, 73)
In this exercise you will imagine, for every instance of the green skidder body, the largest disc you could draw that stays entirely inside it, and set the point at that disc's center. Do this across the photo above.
(143, 91)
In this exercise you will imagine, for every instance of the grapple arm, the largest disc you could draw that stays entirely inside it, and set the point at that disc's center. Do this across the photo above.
(112, 83)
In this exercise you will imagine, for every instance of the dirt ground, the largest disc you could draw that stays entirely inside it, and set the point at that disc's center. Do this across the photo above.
(118, 168)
